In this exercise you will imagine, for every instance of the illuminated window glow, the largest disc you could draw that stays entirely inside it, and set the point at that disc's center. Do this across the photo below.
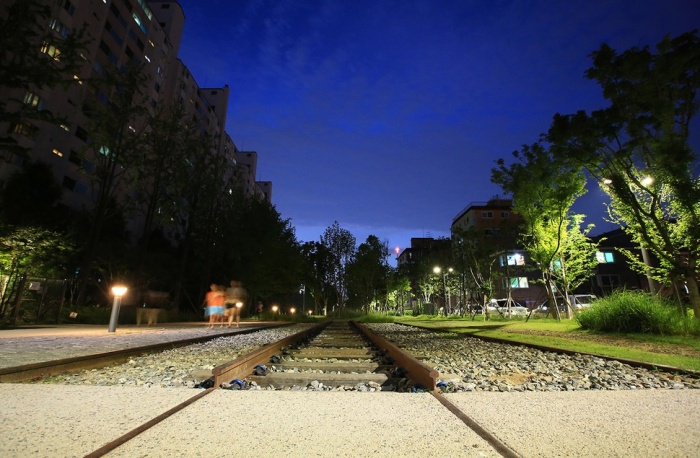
(604, 257)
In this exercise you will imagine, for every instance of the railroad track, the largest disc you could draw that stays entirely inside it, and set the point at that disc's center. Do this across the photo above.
(333, 354)
(336, 354)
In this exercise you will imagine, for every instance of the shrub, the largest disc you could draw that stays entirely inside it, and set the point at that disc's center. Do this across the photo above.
(634, 311)
(375, 317)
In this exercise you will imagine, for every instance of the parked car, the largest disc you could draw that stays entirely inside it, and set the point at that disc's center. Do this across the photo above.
(578, 302)
(501, 306)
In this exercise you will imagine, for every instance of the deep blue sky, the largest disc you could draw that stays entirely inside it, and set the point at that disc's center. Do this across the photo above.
(388, 115)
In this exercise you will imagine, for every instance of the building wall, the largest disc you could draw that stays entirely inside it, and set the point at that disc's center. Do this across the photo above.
(123, 32)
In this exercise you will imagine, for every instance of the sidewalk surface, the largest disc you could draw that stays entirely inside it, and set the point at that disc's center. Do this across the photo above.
(62, 420)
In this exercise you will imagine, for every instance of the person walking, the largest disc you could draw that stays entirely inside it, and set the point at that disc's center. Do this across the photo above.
(235, 296)
(214, 302)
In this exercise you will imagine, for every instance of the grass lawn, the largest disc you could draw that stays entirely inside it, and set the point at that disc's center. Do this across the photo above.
(676, 351)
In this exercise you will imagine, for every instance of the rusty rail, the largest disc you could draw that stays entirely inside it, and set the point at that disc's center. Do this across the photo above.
(417, 371)
(243, 366)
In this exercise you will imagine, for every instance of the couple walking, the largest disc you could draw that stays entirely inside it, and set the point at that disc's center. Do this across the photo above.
(224, 302)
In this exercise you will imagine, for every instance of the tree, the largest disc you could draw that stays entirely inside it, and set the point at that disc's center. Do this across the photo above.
(318, 268)
(340, 244)
(578, 258)
(115, 149)
(398, 291)
(637, 149)
(267, 257)
(191, 199)
(543, 192)
(165, 144)
(26, 251)
(368, 271)
(475, 258)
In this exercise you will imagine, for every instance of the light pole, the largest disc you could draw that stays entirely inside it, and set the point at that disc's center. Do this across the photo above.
(118, 292)
(437, 270)
(302, 291)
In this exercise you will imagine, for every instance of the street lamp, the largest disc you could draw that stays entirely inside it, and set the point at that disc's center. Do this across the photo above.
(302, 291)
(118, 292)
(437, 270)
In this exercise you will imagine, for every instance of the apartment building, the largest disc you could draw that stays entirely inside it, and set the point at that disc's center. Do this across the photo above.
(122, 33)
(495, 224)
(248, 167)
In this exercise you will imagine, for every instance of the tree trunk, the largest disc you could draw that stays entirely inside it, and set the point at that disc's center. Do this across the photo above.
(693, 294)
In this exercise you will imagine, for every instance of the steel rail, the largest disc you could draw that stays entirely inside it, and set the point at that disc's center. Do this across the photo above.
(417, 371)
(146, 426)
(243, 366)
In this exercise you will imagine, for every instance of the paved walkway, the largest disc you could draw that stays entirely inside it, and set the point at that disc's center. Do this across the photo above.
(36, 344)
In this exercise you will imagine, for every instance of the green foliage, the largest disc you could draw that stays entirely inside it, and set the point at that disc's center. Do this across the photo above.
(375, 317)
(630, 311)
(34, 251)
(340, 243)
(637, 149)
(368, 273)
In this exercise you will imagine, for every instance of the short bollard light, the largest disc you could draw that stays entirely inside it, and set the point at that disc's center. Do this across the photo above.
(118, 292)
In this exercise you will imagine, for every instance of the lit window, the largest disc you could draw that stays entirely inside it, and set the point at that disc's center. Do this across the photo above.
(605, 257)
(141, 25)
(57, 152)
(65, 127)
(24, 128)
(33, 100)
(518, 282)
(77, 78)
(146, 9)
(51, 50)
(57, 26)
(516, 259)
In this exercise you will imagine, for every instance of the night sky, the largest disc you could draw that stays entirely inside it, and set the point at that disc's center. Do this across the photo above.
(388, 115)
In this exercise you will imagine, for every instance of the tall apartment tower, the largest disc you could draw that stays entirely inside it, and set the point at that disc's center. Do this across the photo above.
(122, 33)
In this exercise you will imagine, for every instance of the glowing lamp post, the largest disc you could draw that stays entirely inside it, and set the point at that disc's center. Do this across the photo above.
(118, 292)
